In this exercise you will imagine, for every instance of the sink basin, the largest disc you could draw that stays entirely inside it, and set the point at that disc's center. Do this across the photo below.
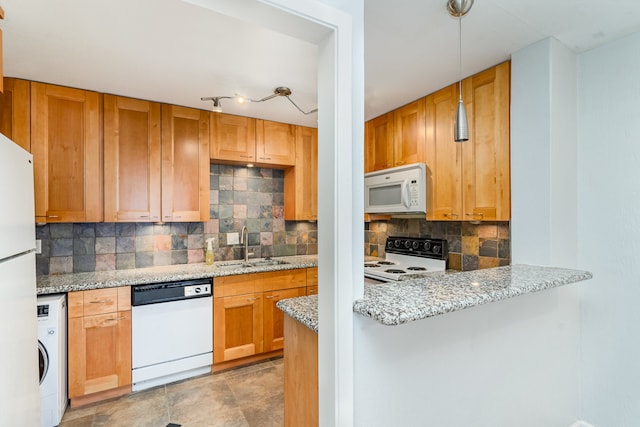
(256, 263)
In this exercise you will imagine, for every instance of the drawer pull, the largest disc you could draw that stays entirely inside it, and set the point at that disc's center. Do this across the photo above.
(272, 296)
(52, 216)
(480, 214)
(451, 215)
(102, 301)
(252, 299)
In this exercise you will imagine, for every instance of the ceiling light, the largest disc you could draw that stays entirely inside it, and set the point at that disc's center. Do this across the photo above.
(279, 91)
(459, 8)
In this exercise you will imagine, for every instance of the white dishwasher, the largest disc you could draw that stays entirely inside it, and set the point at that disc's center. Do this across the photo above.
(171, 332)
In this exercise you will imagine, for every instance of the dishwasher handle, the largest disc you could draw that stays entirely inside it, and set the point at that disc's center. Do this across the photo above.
(157, 293)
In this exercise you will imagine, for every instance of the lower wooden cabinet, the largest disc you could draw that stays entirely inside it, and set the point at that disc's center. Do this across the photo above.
(246, 321)
(99, 331)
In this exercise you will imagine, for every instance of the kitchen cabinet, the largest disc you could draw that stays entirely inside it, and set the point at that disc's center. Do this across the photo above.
(301, 181)
(379, 143)
(470, 181)
(99, 343)
(242, 140)
(312, 280)
(185, 164)
(132, 160)
(233, 138)
(409, 133)
(275, 143)
(486, 168)
(245, 319)
(444, 157)
(396, 138)
(66, 143)
(15, 113)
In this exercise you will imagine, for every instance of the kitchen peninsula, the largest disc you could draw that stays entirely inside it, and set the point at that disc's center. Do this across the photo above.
(488, 349)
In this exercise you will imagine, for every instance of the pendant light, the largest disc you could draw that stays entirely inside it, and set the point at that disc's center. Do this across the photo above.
(457, 9)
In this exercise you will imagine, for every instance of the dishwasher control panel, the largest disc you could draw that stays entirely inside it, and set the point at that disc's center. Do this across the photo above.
(190, 291)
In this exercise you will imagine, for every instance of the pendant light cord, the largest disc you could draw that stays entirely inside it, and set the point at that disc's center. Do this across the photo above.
(460, 51)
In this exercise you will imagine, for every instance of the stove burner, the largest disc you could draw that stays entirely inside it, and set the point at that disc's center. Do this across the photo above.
(385, 263)
(394, 271)
(416, 268)
(370, 264)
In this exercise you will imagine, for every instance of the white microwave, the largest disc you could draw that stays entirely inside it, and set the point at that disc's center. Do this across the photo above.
(400, 190)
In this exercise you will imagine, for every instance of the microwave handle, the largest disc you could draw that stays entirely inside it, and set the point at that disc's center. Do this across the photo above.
(406, 195)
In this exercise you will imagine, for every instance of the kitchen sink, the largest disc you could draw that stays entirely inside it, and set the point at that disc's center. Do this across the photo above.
(249, 264)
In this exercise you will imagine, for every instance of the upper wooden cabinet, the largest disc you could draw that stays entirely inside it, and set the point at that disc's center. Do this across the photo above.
(15, 114)
(185, 164)
(233, 138)
(444, 157)
(275, 143)
(379, 143)
(242, 140)
(409, 132)
(486, 168)
(396, 138)
(132, 160)
(301, 181)
(470, 181)
(66, 142)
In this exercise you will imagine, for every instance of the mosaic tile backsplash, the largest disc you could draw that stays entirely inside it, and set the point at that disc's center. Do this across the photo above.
(471, 247)
(240, 196)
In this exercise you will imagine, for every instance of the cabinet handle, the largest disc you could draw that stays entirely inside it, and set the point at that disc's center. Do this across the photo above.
(102, 301)
(480, 214)
(144, 216)
(247, 157)
(272, 296)
(52, 216)
(252, 299)
(264, 158)
(452, 215)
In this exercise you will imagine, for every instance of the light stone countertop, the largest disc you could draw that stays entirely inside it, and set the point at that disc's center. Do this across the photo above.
(395, 303)
(53, 284)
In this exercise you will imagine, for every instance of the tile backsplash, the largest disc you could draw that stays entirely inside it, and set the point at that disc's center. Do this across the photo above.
(471, 246)
(240, 196)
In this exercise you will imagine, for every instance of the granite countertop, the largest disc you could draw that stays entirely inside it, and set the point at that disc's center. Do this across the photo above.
(395, 303)
(53, 284)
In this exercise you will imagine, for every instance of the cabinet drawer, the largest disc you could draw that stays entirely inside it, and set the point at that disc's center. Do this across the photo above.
(286, 279)
(235, 285)
(99, 301)
(312, 276)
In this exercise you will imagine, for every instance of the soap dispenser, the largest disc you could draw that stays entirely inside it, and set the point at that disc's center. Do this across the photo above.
(209, 254)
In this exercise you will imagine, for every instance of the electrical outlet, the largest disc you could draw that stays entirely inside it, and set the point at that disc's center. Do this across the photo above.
(38, 246)
(233, 238)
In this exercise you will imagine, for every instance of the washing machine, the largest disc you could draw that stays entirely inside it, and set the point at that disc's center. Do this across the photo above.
(52, 355)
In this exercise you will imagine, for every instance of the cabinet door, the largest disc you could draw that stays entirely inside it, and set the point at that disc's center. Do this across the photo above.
(185, 164)
(409, 130)
(301, 181)
(275, 143)
(66, 129)
(444, 157)
(379, 143)
(99, 353)
(486, 169)
(237, 327)
(233, 138)
(132, 160)
(274, 317)
(15, 114)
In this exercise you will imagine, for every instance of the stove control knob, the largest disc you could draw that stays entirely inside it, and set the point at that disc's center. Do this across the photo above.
(396, 243)
(436, 249)
(415, 244)
(389, 243)
(407, 244)
(427, 246)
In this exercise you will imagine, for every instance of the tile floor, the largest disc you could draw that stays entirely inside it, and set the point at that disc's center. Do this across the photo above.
(248, 396)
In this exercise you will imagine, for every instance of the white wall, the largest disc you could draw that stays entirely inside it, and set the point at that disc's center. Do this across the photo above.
(544, 155)
(609, 230)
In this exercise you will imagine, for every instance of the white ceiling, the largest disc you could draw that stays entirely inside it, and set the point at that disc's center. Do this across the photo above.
(178, 51)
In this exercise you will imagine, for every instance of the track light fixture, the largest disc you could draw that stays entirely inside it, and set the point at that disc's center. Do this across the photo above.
(279, 91)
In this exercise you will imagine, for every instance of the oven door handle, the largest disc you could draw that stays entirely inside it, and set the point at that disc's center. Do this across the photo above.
(405, 194)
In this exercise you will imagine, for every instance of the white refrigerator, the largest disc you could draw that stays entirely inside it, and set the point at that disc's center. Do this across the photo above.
(19, 371)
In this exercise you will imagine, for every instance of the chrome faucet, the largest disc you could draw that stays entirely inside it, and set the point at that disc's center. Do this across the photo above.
(244, 240)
